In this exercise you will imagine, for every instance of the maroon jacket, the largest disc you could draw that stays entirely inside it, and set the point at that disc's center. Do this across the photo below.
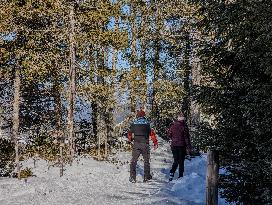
(179, 134)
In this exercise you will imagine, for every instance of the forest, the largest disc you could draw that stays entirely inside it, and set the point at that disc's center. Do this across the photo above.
(73, 74)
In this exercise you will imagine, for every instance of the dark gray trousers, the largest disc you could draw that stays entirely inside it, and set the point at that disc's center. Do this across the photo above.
(179, 154)
(140, 149)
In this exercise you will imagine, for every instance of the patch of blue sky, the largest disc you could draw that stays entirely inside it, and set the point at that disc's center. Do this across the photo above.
(111, 23)
(82, 114)
(138, 48)
(110, 56)
(7, 36)
(122, 62)
(123, 25)
(125, 9)
(84, 63)
(113, 1)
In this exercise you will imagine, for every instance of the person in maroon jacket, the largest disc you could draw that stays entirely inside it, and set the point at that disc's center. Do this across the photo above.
(178, 134)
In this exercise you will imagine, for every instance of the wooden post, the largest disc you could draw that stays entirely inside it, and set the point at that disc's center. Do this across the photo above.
(212, 178)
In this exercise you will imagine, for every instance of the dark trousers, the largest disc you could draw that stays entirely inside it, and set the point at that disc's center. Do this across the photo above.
(138, 149)
(179, 154)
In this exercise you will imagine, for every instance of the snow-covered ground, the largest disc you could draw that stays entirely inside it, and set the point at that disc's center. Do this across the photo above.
(89, 182)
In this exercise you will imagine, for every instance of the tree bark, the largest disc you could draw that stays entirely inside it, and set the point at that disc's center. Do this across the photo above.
(134, 59)
(109, 126)
(61, 159)
(154, 107)
(144, 97)
(105, 126)
(72, 76)
(187, 80)
(15, 127)
(58, 117)
(57, 98)
(99, 136)
(195, 107)
(94, 119)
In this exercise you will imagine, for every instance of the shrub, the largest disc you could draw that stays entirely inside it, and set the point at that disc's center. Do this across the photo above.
(25, 173)
(7, 153)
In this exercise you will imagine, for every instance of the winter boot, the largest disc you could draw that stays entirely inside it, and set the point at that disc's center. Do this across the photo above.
(180, 176)
(171, 176)
(132, 180)
(147, 178)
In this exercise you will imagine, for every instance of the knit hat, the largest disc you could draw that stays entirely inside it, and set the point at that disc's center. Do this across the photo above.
(140, 113)
(180, 116)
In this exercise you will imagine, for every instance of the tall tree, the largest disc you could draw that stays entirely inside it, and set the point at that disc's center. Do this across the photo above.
(72, 81)
(15, 127)
(97, 36)
(237, 95)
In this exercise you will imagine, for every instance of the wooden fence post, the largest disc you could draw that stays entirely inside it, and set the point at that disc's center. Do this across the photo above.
(212, 178)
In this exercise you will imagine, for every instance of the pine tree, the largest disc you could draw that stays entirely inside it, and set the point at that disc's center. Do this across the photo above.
(237, 95)
(99, 86)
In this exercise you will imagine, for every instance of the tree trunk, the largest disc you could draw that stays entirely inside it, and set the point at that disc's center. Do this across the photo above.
(109, 127)
(212, 178)
(61, 159)
(58, 115)
(114, 51)
(72, 76)
(134, 59)
(187, 81)
(105, 126)
(94, 119)
(196, 80)
(144, 96)
(195, 108)
(15, 127)
(99, 136)
(155, 79)
(57, 98)
(154, 107)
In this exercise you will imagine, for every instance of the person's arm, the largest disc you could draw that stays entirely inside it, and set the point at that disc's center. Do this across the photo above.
(169, 132)
(130, 133)
(130, 136)
(154, 138)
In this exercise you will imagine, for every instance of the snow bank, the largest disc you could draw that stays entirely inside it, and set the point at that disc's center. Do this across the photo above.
(90, 182)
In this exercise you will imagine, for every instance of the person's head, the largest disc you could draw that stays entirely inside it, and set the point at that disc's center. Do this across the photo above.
(140, 113)
(180, 117)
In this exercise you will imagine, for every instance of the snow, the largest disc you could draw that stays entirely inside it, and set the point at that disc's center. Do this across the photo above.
(89, 181)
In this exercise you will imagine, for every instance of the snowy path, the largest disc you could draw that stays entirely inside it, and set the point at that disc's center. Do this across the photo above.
(92, 182)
